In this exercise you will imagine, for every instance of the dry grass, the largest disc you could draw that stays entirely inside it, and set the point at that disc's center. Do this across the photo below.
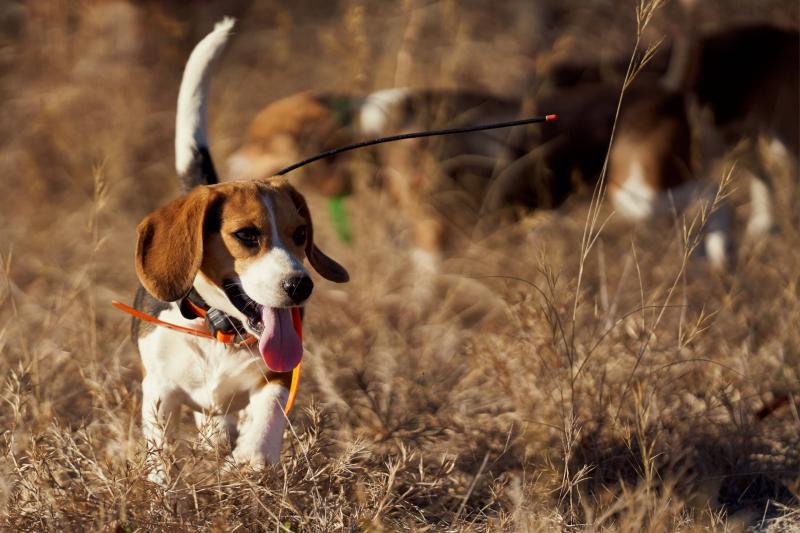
(557, 375)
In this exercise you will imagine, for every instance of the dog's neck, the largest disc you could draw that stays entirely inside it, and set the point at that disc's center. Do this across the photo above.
(215, 297)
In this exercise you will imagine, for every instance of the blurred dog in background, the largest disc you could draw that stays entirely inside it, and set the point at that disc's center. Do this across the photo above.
(445, 184)
(728, 94)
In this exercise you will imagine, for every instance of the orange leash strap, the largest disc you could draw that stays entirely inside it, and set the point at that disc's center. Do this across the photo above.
(153, 320)
(296, 321)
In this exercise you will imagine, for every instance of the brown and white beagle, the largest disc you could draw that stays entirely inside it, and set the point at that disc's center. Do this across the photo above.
(731, 89)
(298, 126)
(307, 123)
(444, 184)
(237, 251)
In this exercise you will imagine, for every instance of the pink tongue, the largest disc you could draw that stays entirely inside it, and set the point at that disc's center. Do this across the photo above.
(279, 344)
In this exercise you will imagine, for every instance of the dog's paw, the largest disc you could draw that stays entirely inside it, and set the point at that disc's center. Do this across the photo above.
(158, 466)
(257, 460)
(158, 476)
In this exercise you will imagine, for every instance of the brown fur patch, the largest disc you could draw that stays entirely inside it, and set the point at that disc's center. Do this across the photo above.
(654, 130)
(288, 130)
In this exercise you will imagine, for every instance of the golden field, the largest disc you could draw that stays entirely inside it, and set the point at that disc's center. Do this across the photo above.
(565, 372)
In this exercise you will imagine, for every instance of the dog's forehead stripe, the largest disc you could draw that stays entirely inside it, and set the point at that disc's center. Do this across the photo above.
(276, 239)
(282, 207)
(244, 205)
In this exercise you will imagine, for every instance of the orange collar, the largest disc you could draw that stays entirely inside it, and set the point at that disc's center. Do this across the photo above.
(225, 338)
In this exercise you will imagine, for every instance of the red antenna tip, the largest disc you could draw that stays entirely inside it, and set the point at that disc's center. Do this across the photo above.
(550, 118)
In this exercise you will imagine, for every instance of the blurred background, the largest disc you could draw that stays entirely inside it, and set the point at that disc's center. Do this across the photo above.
(523, 385)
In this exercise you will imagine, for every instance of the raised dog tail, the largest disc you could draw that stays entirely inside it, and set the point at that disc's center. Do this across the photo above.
(192, 157)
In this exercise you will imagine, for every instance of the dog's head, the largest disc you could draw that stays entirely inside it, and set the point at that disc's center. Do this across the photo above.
(290, 129)
(241, 245)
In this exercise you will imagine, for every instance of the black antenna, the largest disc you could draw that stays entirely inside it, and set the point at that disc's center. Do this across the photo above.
(414, 135)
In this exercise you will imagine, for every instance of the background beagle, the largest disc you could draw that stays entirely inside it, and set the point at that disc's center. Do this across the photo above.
(236, 251)
(729, 93)
(444, 185)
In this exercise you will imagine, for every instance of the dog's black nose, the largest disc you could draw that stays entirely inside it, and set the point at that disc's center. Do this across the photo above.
(298, 288)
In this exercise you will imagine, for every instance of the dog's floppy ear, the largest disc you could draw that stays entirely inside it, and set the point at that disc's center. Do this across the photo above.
(170, 246)
(327, 267)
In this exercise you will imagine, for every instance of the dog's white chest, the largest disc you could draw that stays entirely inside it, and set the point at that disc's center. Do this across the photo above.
(214, 376)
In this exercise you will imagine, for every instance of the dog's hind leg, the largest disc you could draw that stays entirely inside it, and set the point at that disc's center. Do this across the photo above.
(761, 220)
(749, 158)
(160, 413)
(717, 238)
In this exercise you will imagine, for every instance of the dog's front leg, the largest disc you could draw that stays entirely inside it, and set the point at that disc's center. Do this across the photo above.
(261, 435)
(216, 430)
(160, 412)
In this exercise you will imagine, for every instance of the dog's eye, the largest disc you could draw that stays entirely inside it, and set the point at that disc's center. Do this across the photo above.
(247, 236)
(300, 235)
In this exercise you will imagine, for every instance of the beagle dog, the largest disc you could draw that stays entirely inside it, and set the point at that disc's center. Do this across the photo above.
(307, 123)
(229, 256)
(729, 90)
(444, 184)
(297, 126)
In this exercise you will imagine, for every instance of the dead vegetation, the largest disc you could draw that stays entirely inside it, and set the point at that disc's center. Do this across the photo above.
(563, 373)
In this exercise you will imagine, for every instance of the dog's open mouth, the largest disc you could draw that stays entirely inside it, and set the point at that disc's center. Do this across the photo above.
(278, 341)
